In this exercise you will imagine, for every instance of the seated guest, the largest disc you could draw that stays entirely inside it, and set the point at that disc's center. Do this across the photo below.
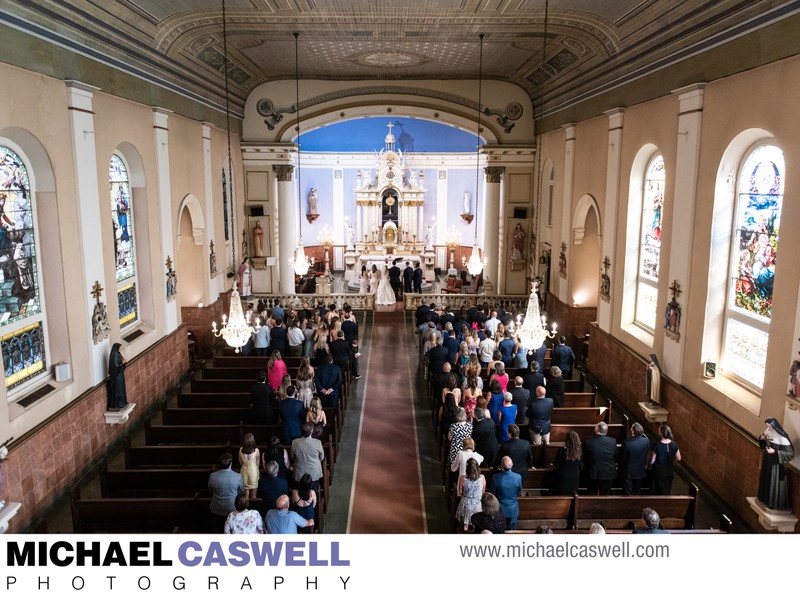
(243, 521)
(270, 486)
(491, 518)
(282, 521)
(652, 522)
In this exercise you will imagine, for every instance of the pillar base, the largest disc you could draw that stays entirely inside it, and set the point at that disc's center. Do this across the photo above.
(653, 412)
(782, 521)
(119, 416)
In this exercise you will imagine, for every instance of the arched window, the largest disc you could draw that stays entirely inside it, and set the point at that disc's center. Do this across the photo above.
(650, 244)
(22, 338)
(124, 251)
(748, 307)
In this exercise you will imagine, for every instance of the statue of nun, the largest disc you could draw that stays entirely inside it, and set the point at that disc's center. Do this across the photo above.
(654, 381)
(776, 451)
(117, 399)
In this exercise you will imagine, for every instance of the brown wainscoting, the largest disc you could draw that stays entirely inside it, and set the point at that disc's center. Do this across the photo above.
(571, 320)
(198, 321)
(43, 463)
(724, 456)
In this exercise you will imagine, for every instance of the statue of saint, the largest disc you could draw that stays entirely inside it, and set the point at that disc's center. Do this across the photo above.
(351, 237)
(517, 242)
(312, 201)
(258, 239)
(429, 237)
(466, 202)
(117, 397)
(776, 451)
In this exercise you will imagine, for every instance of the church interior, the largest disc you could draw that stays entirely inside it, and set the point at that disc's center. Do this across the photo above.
(634, 158)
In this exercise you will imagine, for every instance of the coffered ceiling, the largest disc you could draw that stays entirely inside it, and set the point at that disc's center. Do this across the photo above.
(565, 52)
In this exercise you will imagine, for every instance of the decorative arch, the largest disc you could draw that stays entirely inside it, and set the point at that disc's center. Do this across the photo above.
(191, 203)
(586, 205)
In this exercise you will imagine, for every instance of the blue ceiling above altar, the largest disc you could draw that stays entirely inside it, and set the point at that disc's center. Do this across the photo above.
(368, 134)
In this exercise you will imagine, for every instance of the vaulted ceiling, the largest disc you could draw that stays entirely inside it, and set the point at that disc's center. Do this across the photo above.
(565, 52)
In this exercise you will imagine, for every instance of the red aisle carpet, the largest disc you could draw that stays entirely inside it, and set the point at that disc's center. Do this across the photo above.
(387, 493)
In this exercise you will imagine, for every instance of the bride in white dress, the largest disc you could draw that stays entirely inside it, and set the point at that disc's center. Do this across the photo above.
(373, 279)
(363, 285)
(384, 296)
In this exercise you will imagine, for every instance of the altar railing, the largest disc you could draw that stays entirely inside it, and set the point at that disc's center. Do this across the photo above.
(360, 301)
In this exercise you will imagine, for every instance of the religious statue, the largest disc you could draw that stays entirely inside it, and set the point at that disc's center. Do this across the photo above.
(562, 261)
(245, 278)
(3, 456)
(312, 201)
(672, 317)
(794, 379)
(653, 380)
(212, 259)
(351, 237)
(517, 243)
(776, 451)
(466, 201)
(429, 237)
(100, 326)
(258, 239)
(172, 281)
(117, 398)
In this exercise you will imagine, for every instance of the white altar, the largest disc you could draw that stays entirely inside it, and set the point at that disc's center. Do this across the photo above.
(389, 216)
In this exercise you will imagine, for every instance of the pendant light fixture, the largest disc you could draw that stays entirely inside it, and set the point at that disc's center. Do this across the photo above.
(299, 261)
(475, 264)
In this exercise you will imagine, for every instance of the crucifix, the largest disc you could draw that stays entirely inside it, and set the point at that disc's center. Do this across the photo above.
(606, 264)
(675, 288)
(97, 290)
(100, 327)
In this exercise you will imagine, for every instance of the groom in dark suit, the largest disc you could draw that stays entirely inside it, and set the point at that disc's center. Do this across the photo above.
(394, 279)
(408, 273)
(417, 278)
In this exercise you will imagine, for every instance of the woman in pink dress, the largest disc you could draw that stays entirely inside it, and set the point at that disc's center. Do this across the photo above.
(276, 369)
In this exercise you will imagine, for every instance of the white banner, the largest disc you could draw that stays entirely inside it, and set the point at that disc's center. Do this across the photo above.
(360, 564)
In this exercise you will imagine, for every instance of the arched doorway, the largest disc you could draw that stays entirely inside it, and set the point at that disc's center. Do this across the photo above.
(585, 275)
(191, 263)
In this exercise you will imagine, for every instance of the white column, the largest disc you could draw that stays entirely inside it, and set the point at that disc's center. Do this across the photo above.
(359, 227)
(79, 104)
(608, 244)
(161, 137)
(566, 212)
(288, 225)
(492, 249)
(441, 209)
(212, 285)
(338, 207)
(680, 252)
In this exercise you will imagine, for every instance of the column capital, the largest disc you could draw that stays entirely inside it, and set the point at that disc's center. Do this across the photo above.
(79, 95)
(569, 130)
(283, 172)
(690, 97)
(494, 174)
(161, 118)
(616, 117)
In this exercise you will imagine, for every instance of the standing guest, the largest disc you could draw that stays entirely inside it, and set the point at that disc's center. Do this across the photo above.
(340, 352)
(350, 328)
(507, 487)
(451, 387)
(467, 453)
(520, 396)
(486, 349)
(538, 355)
(555, 387)
(321, 350)
(304, 500)
(600, 460)
(307, 456)
(457, 432)
(491, 518)
(484, 435)
(282, 521)
(635, 459)
(438, 356)
(534, 378)
(470, 489)
(261, 338)
(278, 337)
(462, 359)
(243, 521)
(447, 415)
(308, 338)
(501, 376)
(776, 451)
(520, 354)
(568, 465)
(261, 398)
(305, 382)
(408, 274)
(507, 416)
(278, 311)
(276, 370)
(224, 485)
(518, 450)
(249, 461)
(506, 347)
(563, 357)
(292, 414)
(295, 337)
(495, 396)
(286, 382)
(451, 342)
(363, 281)
(315, 415)
(664, 453)
(270, 487)
(493, 322)
(328, 381)
(277, 453)
(540, 411)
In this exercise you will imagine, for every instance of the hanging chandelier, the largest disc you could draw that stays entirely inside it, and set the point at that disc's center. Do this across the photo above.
(299, 261)
(533, 331)
(236, 329)
(475, 263)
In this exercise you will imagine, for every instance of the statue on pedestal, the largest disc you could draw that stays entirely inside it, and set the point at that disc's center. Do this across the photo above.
(258, 239)
(776, 451)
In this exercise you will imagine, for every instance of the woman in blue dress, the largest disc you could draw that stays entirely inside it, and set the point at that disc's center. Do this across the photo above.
(303, 500)
(506, 415)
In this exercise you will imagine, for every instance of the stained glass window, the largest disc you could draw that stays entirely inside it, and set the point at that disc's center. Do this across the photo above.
(752, 269)
(19, 285)
(650, 243)
(23, 354)
(124, 252)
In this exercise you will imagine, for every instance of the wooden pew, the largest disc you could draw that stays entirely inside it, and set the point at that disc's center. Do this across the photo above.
(554, 511)
(620, 512)
(558, 432)
(580, 415)
(580, 400)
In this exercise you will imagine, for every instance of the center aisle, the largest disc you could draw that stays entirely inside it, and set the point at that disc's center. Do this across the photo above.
(387, 492)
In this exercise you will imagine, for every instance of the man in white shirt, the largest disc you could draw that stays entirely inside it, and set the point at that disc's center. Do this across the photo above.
(296, 338)
(486, 349)
(261, 338)
(492, 323)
